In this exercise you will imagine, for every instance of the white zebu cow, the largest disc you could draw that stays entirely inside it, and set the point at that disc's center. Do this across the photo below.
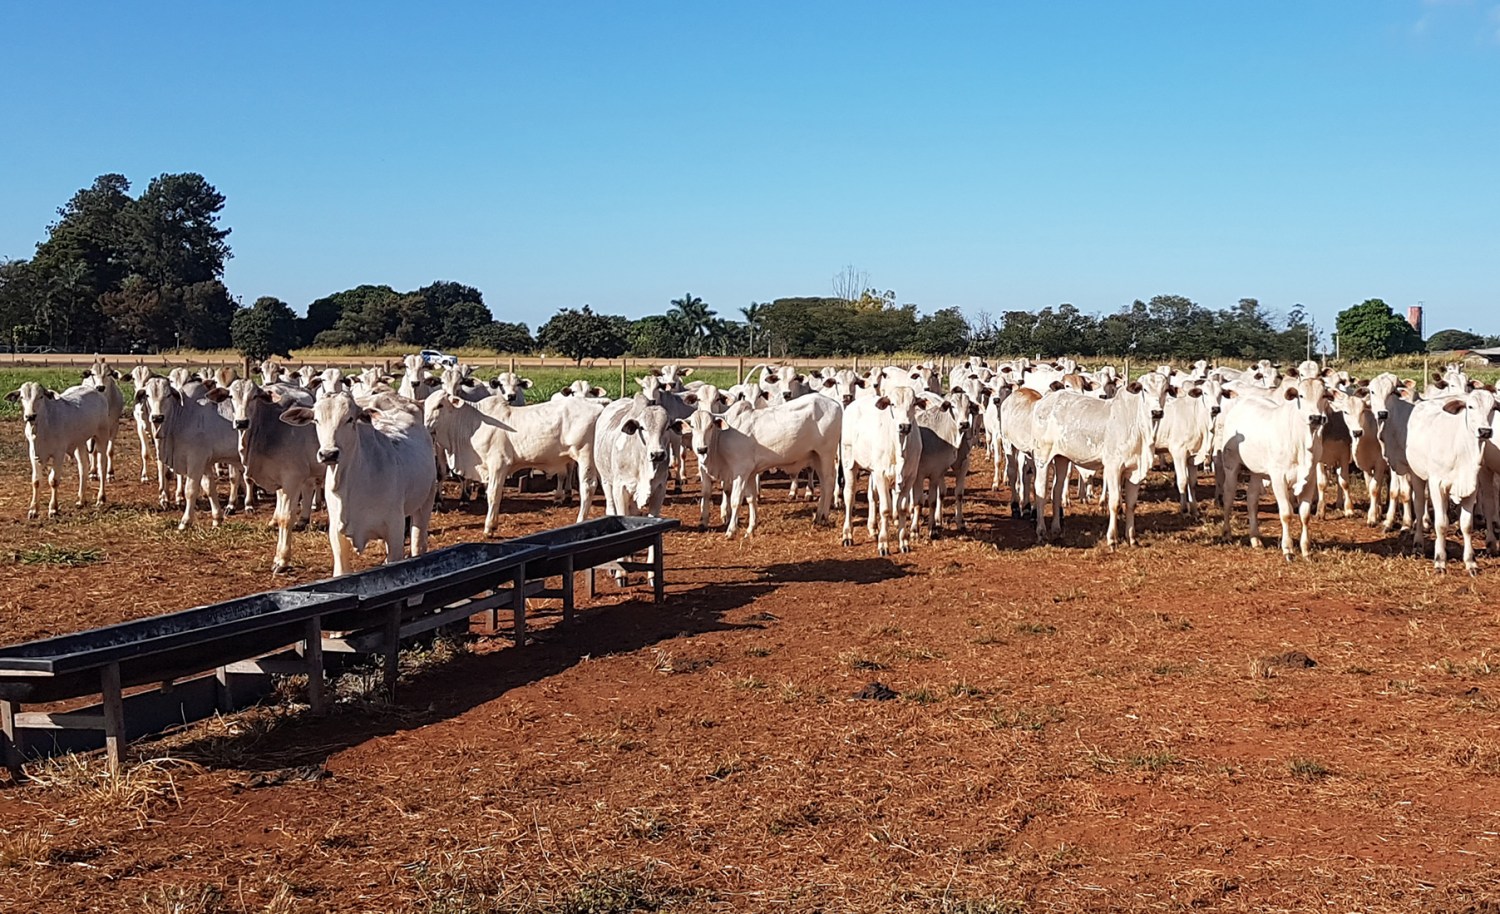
(139, 375)
(416, 381)
(1445, 446)
(103, 378)
(996, 394)
(1186, 434)
(192, 435)
(631, 454)
(1392, 415)
(881, 435)
(1018, 429)
(736, 449)
(509, 386)
(379, 471)
(582, 390)
(458, 383)
(1364, 433)
(947, 431)
(1113, 437)
(277, 456)
(491, 439)
(1277, 439)
(58, 426)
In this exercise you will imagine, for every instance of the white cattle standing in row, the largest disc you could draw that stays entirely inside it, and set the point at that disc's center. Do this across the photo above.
(1445, 450)
(59, 426)
(191, 435)
(379, 471)
(277, 456)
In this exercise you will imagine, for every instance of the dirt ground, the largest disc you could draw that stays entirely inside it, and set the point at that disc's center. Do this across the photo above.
(1184, 725)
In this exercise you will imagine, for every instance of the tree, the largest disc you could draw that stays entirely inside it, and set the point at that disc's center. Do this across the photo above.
(694, 320)
(204, 311)
(849, 283)
(581, 334)
(461, 321)
(753, 313)
(656, 336)
(1446, 340)
(367, 316)
(172, 235)
(83, 258)
(266, 328)
(943, 332)
(1370, 330)
(502, 336)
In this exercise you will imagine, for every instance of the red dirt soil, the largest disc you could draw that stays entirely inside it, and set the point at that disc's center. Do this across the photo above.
(1072, 729)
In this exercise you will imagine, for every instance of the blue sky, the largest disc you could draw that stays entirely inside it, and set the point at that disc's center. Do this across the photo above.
(986, 155)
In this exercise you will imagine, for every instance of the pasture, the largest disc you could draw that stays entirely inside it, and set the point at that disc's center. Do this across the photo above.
(1184, 725)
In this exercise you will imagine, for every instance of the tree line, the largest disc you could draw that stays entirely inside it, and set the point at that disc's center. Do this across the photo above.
(145, 273)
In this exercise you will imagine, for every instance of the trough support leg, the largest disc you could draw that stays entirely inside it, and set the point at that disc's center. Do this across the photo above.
(492, 619)
(567, 591)
(10, 735)
(114, 715)
(312, 653)
(658, 581)
(518, 605)
(392, 652)
(588, 584)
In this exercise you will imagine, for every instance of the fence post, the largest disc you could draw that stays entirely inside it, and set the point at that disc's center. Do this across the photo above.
(738, 378)
(512, 364)
(622, 376)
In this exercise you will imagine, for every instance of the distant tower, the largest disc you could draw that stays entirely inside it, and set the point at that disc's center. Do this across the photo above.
(1414, 317)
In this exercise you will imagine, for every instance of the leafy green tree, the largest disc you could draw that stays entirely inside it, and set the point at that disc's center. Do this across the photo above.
(204, 311)
(694, 320)
(754, 330)
(503, 336)
(943, 332)
(265, 329)
(368, 315)
(18, 295)
(83, 258)
(1371, 330)
(140, 315)
(581, 334)
(172, 233)
(1446, 340)
(657, 336)
(461, 321)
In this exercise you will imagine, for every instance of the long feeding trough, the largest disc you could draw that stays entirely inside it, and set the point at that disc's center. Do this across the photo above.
(159, 649)
(606, 542)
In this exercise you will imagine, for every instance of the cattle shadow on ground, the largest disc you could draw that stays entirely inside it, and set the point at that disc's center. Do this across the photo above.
(835, 571)
(469, 680)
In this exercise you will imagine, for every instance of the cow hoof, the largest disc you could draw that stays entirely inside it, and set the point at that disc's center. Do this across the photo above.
(229, 510)
(299, 526)
(1473, 570)
(848, 540)
(1289, 557)
(279, 568)
(182, 527)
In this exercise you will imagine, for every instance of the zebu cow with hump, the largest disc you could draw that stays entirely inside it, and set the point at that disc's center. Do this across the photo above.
(947, 430)
(1276, 439)
(192, 434)
(880, 435)
(1364, 434)
(1446, 440)
(277, 456)
(1186, 434)
(1392, 416)
(379, 470)
(507, 385)
(491, 439)
(58, 426)
(631, 453)
(1114, 437)
(737, 447)
(139, 375)
(103, 378)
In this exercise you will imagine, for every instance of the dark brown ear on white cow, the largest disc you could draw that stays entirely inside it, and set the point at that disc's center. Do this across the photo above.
(720, 423)
(52, 394)
(1195, 392)
(525, 383)
(859, 382)
(1093, 385)
(85, 374)
(630, 427)
(315, 383)
(921, 402)
(947, 406)
(369, 414)
(468, 382)
(830, 382)
(1453, 407)
(15, 396)
(1439, 383)
(1362, 391)
(1134, 387)
(218, 395)
(566, 392)
(690, 398)
(681, 427)
(114, 374)
(1055, 385)
(1231, 394)
(1291, 393)
(140, 395)
(762, 395)
(455, 401)
(883, 403)
(1437, 376)
(598, 392)
(297, 415)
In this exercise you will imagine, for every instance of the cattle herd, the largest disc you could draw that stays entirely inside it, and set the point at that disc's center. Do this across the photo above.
(375, 454)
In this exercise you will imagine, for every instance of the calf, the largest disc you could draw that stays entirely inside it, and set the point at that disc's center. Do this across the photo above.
(277, 456)
(103, 378)
(379, 472)
(1185, 434)
(191, 435)
(1365, 450)
(58, 426)
(947, 431)
(631, 451)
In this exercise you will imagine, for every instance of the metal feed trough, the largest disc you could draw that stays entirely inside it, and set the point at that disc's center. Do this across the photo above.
(400, 600)
(606, 542)
(160, 650)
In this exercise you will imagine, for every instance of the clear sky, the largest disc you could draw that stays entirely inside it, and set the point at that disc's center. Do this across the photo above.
(990, 155)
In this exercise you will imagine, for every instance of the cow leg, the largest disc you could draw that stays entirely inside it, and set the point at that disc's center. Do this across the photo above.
(493, 485)
(827, 486)
(1132, 495)
(99, 498)
(882, 492)
(84, 461)
(872, 503)
(1059, 489)
(421, 521)
(342, 548)
(1040, 495)
(1112, 493)
(1378, 487)
(1439, 497)
(190, 482)
(140, 432)
(1253, 487)
(1321, 479)
(736, 496)
(283, 520)
(753, 501)
(850, 471)
(1282, 491)
(1466, 527)
(588, 478)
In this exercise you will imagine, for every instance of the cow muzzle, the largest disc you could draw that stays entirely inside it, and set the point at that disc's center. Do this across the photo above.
(1356, 433)
(904, 429)
(241, 424)
(329, 456)
(31, 418)
(157, 419)
(1486, 433)
(658, 456)
(1317, 420)
(1382, 414)
(1215, 410)
(99, 387)
(848, 399)
(1156, 414)
(702, 451)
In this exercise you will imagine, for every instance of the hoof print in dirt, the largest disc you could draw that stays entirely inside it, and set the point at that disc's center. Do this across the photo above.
(875, 691)
(282, 776)
(1266, 667)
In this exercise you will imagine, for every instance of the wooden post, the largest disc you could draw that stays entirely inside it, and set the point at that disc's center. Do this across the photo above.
(312, 652)
(392, 651)
(518, 606)
(739, 377)
(114, 715)
(512, 364)
(588, 583)
(567, 590)
(15, 752)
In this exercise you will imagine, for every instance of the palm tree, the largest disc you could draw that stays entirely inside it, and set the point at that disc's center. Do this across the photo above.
(753, 314)
(694, 317)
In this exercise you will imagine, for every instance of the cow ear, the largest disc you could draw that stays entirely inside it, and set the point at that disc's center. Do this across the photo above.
(466, 382)
(51, 394)
(1440, 384)
(830, 382)
(599, 392)
(455, 401)
(1134, 387)
(566, 391)
(762, 395)
(1231, 394)
(947, 406)
(642, 382)
(85, 374)
(1437, 376)
(1055, 385)
(218, 395)
(525, 383)
(494, 383)
(315, 383)
(956, 390)
(883, 403)
(1291, 393)
(1453, 407)
(1362, 391)
(1195, 391)
(690, 398)
(14, 396)
(860, 382)
(1093, 385)
(297, 415)
(681, 427)
(267, 396)
(630, 427)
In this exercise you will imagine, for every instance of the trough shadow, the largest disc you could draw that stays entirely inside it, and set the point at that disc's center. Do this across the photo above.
(470, 680)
